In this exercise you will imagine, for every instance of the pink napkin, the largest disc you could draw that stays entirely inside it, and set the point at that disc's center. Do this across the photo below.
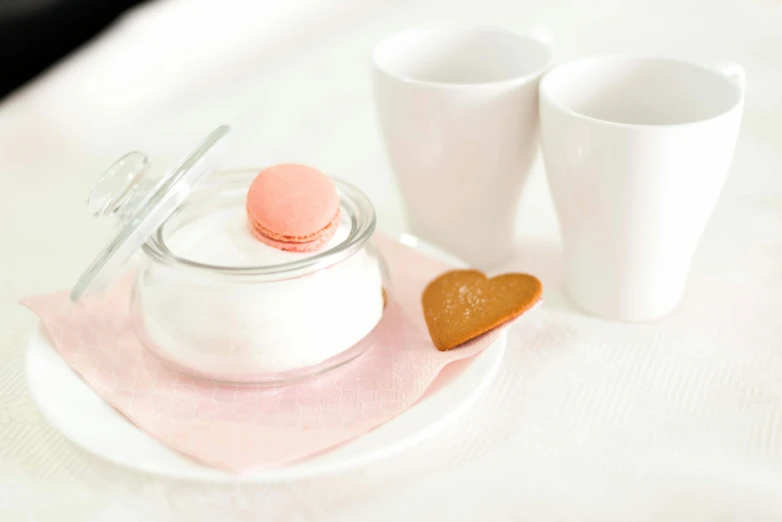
(239, 428)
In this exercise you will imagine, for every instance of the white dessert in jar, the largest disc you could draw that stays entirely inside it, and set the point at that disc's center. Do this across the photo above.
(232, 328)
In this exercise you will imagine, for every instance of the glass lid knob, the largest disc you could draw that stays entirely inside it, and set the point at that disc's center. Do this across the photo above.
(118, 184)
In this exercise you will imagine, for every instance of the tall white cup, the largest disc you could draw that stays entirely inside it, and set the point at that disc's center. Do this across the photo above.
(459, 112)
(636, 152)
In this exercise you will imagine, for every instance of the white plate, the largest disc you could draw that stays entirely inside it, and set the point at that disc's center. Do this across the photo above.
(85, 419)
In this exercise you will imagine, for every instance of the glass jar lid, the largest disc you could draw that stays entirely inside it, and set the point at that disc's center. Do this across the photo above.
(142, 201)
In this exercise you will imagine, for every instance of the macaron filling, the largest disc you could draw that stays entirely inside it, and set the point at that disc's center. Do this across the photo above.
(308, 243)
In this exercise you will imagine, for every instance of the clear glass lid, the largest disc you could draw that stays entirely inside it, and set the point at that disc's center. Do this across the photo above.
(142, 201)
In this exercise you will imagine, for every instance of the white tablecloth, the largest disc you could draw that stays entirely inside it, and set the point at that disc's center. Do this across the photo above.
(588, 420)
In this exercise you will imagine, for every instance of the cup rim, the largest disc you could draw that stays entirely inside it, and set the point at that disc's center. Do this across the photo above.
(546, 97)
(446, 29)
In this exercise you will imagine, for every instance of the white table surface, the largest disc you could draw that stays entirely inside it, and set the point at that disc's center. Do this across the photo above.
(588, 420)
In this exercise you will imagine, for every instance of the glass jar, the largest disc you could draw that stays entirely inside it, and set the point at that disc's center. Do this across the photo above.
(259, 324)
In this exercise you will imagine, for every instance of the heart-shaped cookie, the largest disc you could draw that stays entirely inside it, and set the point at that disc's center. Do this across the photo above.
(462, 304)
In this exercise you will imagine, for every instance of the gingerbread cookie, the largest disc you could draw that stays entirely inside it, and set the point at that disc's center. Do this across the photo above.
(462, 304)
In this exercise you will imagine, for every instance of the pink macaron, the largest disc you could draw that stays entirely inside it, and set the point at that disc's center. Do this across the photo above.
(293, 207)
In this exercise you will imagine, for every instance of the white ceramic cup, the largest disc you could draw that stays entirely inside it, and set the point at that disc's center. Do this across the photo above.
(458, 110)
(636, 152)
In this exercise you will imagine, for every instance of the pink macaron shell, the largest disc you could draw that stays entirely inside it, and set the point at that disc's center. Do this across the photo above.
(310, 246)
(292, 201)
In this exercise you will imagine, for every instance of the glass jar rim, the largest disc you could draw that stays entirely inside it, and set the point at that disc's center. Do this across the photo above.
(353, 204)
